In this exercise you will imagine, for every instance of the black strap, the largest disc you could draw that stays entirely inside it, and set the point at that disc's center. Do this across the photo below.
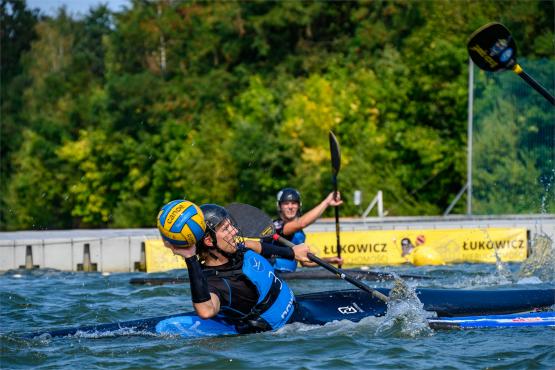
(253, 322)
(270, 298)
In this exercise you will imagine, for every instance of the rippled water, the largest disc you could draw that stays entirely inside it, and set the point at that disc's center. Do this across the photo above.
(45, 299)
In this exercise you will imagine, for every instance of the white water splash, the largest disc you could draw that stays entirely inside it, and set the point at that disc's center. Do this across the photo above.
(530, 281)
(541, 262)
(405, 315)
(113, 333)
(545, 195)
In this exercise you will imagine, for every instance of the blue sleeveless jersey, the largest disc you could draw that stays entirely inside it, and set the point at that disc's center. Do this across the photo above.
(276, 300)
(285, 265)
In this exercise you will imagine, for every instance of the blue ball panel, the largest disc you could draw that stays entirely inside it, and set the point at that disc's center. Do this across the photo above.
(167, 209)
(196, 229)
(183, 219)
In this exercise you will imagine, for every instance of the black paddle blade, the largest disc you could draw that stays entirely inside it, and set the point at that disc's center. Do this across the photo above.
(335, 154)
(252, 222)
(492, 48)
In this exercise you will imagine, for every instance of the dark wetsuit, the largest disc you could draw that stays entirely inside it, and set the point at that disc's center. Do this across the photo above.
(244, 296)
(251, 296)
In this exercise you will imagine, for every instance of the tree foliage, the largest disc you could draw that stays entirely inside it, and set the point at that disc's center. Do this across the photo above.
(107, 117)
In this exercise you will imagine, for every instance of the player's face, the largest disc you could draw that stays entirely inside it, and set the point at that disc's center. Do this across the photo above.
(289, 209)
(225, 236)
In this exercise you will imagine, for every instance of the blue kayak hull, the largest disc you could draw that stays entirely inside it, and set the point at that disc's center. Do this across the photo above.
(354, 305)
(194, 327)
(495, 321)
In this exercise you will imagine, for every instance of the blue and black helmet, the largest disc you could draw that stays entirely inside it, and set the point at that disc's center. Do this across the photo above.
(289, 195)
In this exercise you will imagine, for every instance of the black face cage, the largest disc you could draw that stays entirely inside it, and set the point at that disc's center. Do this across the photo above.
(232, 232)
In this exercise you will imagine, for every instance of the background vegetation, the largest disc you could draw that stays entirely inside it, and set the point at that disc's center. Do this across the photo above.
(108, 116)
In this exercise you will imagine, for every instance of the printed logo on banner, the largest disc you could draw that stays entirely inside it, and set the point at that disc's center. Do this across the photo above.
(357, 248)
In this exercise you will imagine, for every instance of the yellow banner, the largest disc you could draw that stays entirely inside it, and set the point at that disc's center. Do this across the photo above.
(160, 258)
(423, 247)
(393, 247)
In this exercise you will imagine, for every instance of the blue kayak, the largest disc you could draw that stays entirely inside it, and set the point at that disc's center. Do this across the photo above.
(495, 321)
(324, 307)
(190, 326)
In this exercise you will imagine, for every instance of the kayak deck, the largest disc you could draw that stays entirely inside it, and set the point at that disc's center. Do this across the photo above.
(353, 305)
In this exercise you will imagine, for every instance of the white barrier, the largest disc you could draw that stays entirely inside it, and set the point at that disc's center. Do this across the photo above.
(123, 250)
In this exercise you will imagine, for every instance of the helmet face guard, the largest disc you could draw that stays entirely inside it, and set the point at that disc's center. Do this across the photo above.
(289, 195)
(218, 219)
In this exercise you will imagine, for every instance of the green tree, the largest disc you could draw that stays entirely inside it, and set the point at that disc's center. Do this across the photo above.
(231, 101)
(17, 33)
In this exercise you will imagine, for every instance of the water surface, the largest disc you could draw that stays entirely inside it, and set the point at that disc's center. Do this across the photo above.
(48, 299)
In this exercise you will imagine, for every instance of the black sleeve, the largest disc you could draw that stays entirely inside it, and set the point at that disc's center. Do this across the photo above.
(267, 239)
(273, 250)
(197, 280)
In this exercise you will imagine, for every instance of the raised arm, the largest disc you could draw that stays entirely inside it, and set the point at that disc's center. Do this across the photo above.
(308, 218)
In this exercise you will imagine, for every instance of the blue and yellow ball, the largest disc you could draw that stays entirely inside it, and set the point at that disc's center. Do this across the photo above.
(181, 223)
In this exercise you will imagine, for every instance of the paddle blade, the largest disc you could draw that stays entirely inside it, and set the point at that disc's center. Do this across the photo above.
(492, 48)
(253, 222)
(335, 154)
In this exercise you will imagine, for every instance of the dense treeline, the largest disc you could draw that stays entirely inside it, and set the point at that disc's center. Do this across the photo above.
(106, 117)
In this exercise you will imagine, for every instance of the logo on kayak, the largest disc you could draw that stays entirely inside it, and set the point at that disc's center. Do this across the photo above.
(348, 310)
(526, 319)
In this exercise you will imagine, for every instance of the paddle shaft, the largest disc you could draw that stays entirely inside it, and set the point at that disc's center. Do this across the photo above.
(335, 166)
(337, 227)
(539, 88)
(336, 271)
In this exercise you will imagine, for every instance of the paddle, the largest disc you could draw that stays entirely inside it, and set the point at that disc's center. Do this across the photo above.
(254, 223)
(492, 48)
(335, 166)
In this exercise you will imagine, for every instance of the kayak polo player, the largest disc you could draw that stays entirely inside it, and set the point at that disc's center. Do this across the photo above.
(228, 279)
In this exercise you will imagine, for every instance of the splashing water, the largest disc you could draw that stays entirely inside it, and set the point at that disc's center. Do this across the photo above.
(545, 196)
(503, 272)
(541, 262)
(405, 314)
(504, 275)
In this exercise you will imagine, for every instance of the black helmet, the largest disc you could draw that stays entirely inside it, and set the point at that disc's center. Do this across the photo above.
(289, 194)
(213, 215)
